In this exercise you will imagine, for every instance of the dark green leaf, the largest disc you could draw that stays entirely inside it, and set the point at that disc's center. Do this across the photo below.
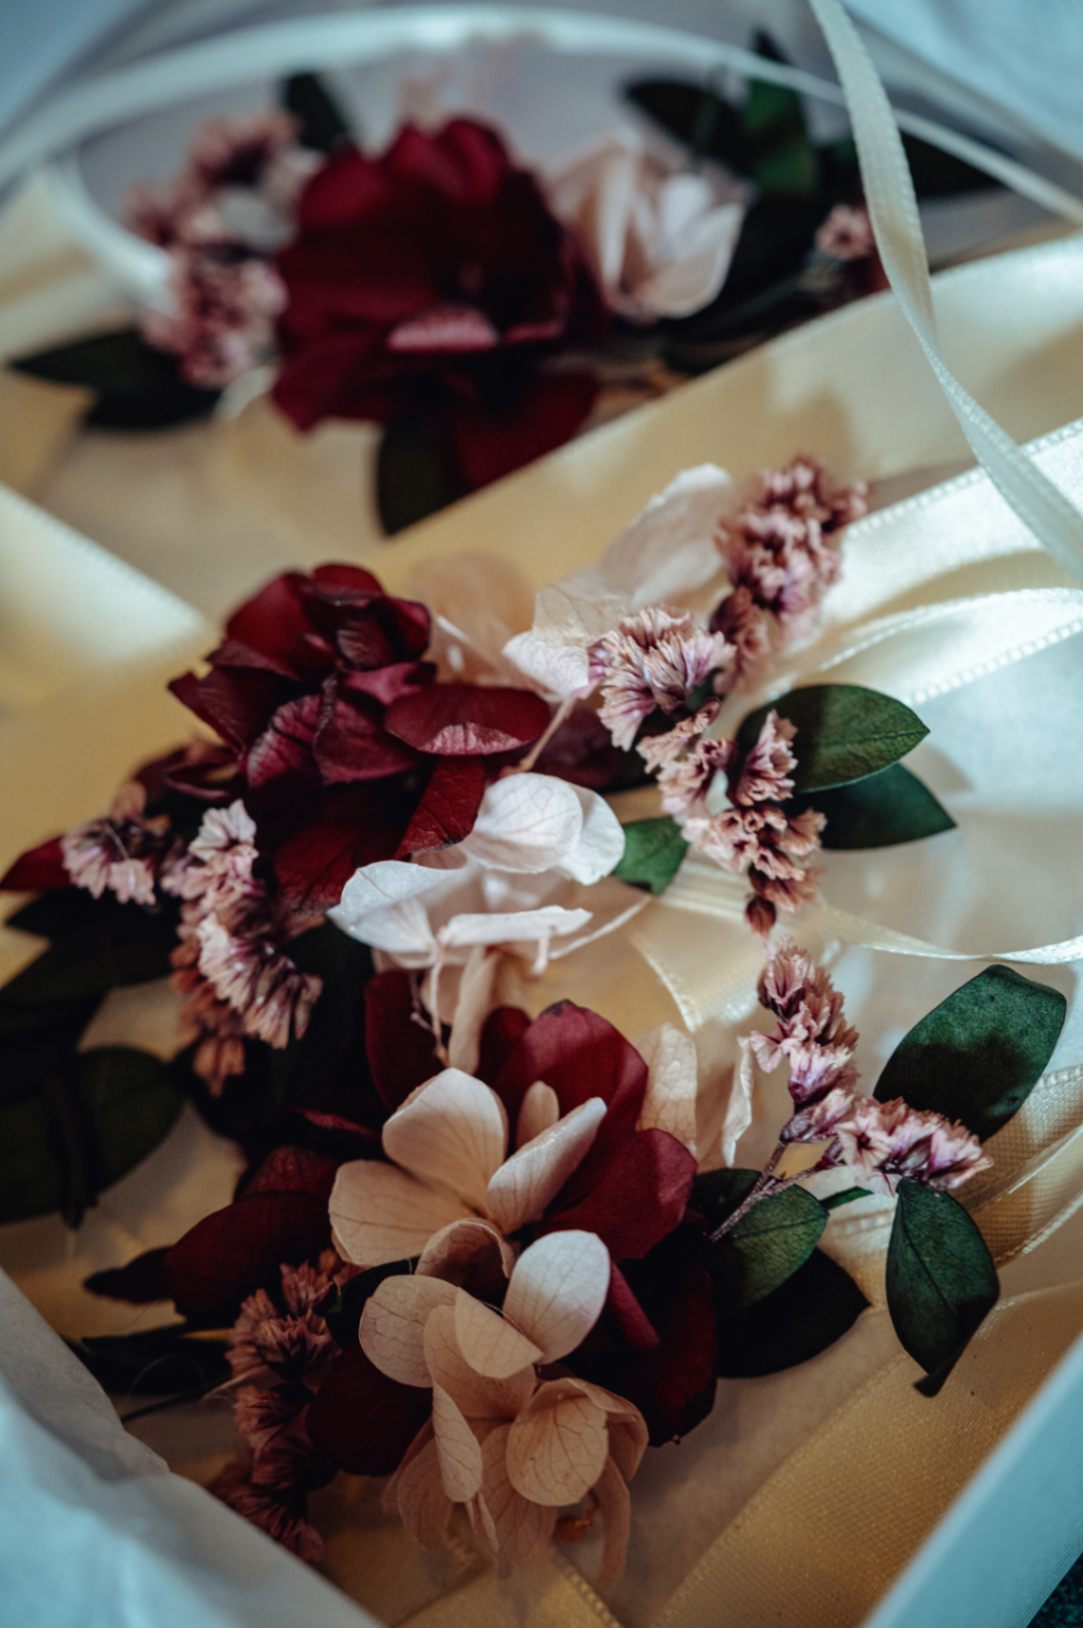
(977, 1056)
(321, 123)
(941, 1280)
(83, 1127)
(812, 1309)
(111, 946)
(779, 154)
(653, 851)
(137, 387)
(844, 732)
(693, 115)
(414, 471)
(849, 1195)
(333, 1046)
(880, 811)
(154, 1362)
(771, 1242)
(39, 1039)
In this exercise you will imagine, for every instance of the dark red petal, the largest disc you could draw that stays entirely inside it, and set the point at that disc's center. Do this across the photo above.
(327, 1119)
(630, 1320)
(674, 1386)
(349, 829)
(492, 439)
(352, 745)
(468, 720)
(143, 1279)
(346, 185)
(448, 807)
(582, 751)
(401, 1052)
(341, 375)
(285, 746)
(638, 1194)
(344, 584)
(384, 632)
(363, 1421)
(386, 684)
(673, 1380)
(290, 1170)
(236, 704)
(500, 1033)
(37, 871)
(239, 1249)
(272, 624)
(580, 1055)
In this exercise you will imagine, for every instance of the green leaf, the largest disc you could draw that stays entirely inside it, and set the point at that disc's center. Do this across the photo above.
(137, 387)
(977, 1056)
(333, 1046)
(321, 124)
(779, 154)
(849, 1195)
(880, 811)
(767, 1245)
(105, 951)
(83, 1127)
(414, 472)
(653, 851)
(844, 732)
(693, 115)
(941, 1280)
(811, 1310)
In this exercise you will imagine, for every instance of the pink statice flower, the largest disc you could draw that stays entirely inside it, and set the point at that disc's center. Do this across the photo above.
(231, 963)
(221, 317)
(811, 1033)
(654, 660)
(766, 774)
(879, 1143)
(781, 551)
(287, 1337)
(281, 1514)
(756, 835)
(846, 234)
(121, 853)
(279, 1350)
(221, 220)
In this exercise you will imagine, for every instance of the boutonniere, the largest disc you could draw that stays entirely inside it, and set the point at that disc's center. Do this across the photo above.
(478, 307)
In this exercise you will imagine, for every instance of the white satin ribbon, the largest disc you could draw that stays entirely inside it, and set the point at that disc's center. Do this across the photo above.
(889, 193)
(329, 42)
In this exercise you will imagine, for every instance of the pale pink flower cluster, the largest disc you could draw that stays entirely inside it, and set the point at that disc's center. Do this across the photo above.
(220, 221)
(653, 660)
(879, 1143)
(277, 1347)
(230, 963)
(755, 834)
(511, 1443)
(812, 1034)
(781, 550)
(120, 854)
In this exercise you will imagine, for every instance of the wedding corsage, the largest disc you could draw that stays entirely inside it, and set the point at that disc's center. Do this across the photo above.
(488, 1253)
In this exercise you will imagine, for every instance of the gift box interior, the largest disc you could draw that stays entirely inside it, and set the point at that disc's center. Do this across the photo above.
(805, 1494)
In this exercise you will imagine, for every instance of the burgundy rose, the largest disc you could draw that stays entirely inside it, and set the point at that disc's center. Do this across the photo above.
(436, 267)
(346, 747)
